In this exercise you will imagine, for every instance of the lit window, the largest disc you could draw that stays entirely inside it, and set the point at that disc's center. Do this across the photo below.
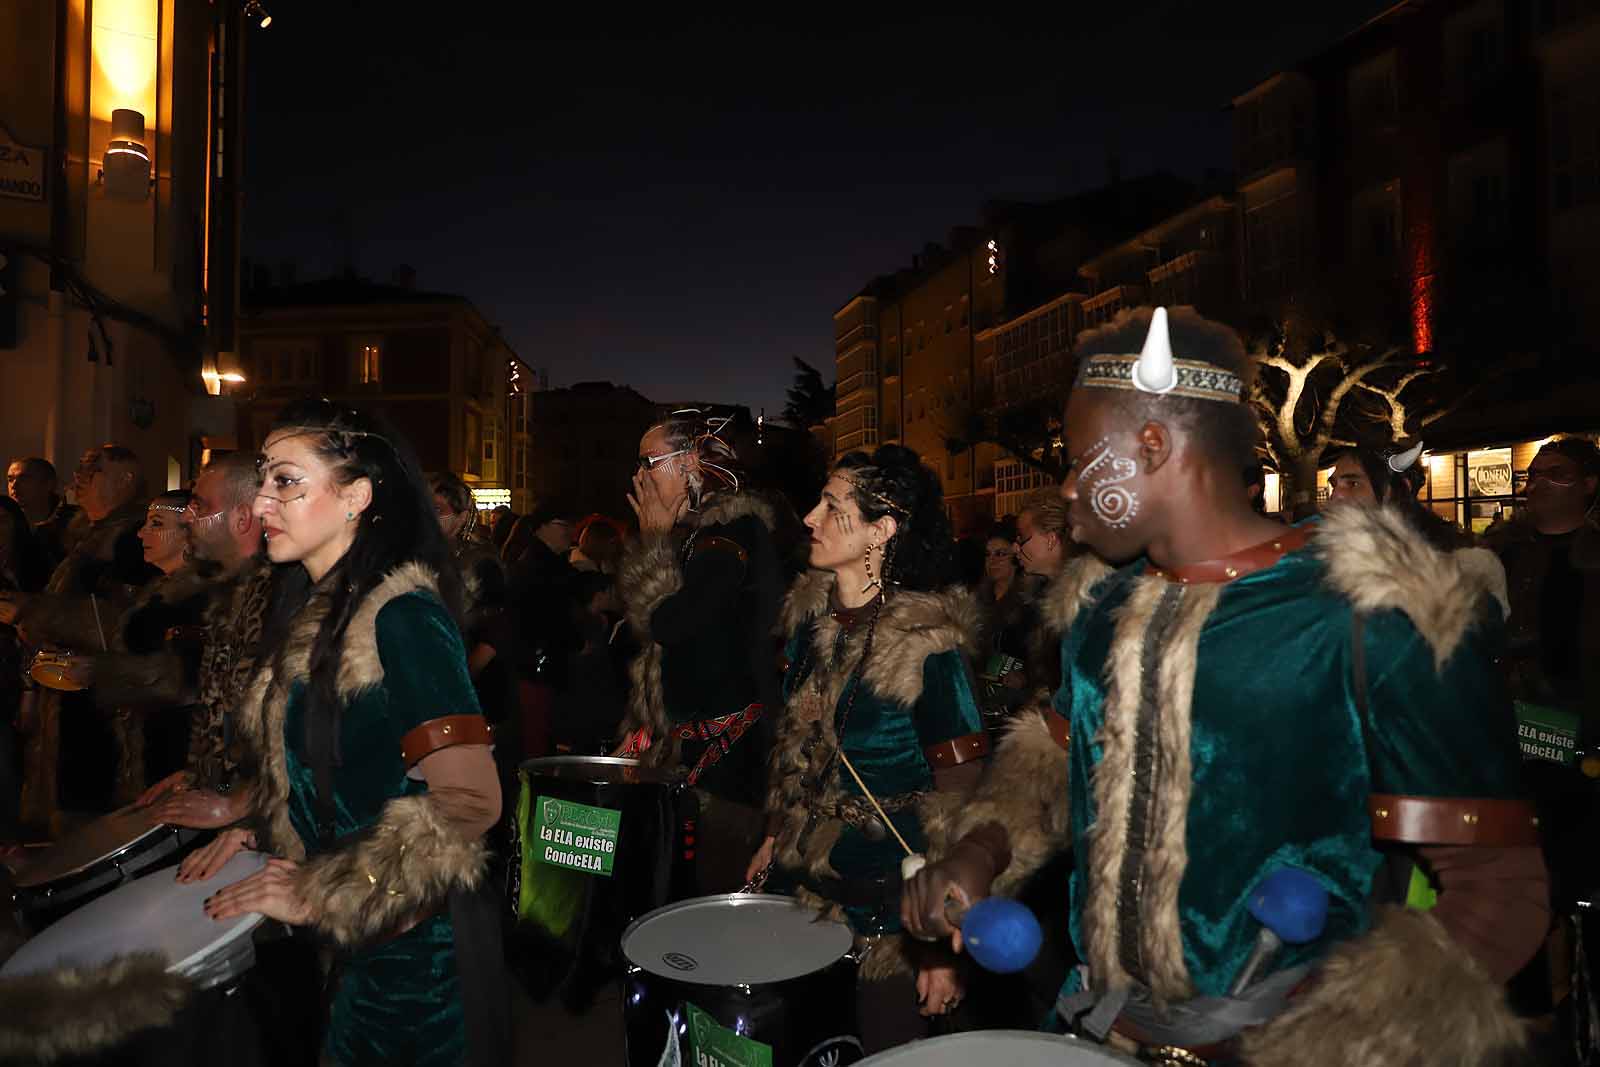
(371, 364)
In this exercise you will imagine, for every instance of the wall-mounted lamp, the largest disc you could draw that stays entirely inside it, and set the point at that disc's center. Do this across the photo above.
(254, 12)
(125, 170)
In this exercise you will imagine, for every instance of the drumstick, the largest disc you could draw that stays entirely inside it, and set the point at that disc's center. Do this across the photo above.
(876, 806)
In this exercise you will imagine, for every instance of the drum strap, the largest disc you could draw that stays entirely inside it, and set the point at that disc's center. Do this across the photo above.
(719, 734)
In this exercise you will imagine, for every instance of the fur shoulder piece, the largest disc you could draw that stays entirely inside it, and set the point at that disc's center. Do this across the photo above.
(728, 507)
(359, 667)
(80, 1011)
(1072, 590)
(912, 627)
(1378, 561)
(1401, 994)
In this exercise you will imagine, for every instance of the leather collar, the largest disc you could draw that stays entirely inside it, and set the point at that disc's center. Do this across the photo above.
(1243, 562)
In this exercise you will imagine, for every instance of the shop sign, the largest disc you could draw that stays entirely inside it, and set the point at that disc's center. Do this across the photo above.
(1489, 472)
(21, 168)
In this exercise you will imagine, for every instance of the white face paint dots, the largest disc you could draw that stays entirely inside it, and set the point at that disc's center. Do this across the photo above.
(1112, 503)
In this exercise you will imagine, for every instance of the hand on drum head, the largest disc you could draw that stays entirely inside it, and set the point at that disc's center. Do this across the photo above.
(200, 809)
(271, 891)
(963, 876)
(202, 864)
(174, 781)
(761, 860)
(939, 988)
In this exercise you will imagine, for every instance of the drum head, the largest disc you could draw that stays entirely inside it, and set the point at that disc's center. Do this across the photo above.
(49, 669)
(84, 848)
(154, 914)
(601, 770)
(1014, 1048)
(737, 939)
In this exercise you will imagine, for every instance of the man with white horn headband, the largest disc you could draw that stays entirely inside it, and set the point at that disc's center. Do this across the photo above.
(1258, 725)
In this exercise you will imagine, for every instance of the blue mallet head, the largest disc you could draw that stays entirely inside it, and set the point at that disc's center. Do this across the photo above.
(1002, 935)
(1292, 904)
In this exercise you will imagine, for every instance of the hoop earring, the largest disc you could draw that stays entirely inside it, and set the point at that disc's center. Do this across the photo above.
(872, 581)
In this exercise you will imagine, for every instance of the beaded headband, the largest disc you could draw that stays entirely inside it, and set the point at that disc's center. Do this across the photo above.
(1154, 370)
(879, 497)
(156, 505)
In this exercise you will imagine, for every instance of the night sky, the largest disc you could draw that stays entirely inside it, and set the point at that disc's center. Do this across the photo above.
(680, 202)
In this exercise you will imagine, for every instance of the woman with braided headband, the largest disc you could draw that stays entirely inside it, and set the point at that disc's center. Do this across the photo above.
(376, 783)
(878, 688)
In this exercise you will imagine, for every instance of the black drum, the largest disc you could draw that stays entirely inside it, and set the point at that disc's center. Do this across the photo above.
(739, 979)
(593, 848)
(992, 1048)
(107, 853)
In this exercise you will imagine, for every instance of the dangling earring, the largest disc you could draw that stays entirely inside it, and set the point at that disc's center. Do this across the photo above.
(872, 582)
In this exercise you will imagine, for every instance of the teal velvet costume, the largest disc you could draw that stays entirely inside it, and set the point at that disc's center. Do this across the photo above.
(399, 1002)
(913, 695)
(1280, 764)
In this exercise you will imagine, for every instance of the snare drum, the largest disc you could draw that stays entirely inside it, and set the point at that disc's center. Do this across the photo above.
(157, 914)
(112, 850)
(49, 669)
(740, 978)
(1013, 1048)
(593, 849)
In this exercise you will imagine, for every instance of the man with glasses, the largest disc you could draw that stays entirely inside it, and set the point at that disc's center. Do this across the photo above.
(1551, 552)
(78, 611)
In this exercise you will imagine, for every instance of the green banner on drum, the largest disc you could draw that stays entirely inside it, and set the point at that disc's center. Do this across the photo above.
(575, 836)
(1547, 733)
(713, 1045)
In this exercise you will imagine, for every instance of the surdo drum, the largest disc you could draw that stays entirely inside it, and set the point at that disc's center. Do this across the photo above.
(593, 848)
(738, 979)
(109, 852)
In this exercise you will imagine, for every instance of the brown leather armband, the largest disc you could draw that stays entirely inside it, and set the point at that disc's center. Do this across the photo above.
(1452, 820)
(1060, 729)
(953, 753)
(444, 732)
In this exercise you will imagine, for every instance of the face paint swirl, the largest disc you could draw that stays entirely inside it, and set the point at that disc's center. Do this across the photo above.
(1112, 503)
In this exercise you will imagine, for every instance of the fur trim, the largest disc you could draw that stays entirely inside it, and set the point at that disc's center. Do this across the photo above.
(266, 700)
(1404, 993)
(1024, 789)
(651, 572)
(1072, 590)
(911, 627)
(1379, 562)
(360, 668)
(1166, 855)
(79, 1011)
(401, 867)
(724, 508)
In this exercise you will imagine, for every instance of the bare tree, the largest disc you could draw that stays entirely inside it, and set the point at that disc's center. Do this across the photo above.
(1318, 394)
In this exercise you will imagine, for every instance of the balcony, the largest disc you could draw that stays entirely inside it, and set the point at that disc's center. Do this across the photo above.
(855, 335)
(1103, 307)
(858, 382)
(849, 442)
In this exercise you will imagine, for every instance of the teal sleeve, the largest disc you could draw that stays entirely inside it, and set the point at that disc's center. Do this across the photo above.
(1444, 732)
(424, 662)
(947, 709)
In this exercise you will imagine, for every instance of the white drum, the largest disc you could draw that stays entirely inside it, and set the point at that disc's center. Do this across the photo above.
(1013, 1048)
(155, 914)
(739, 978)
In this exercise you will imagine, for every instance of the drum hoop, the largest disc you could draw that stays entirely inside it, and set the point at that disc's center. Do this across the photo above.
(1000, 1039)
(148, 842)
(540, 763)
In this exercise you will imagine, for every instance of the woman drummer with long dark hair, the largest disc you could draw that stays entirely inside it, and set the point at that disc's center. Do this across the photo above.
(880, 729)
(376, 783)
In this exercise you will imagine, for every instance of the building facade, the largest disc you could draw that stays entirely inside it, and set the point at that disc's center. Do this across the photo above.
(428, 362)
(120, 154)
(584, 442)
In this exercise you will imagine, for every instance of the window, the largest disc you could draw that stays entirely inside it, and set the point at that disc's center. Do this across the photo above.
(1375, 223)
(1272, 241)
(1374, 93)
(472, 445)
(1013, 481)
(370, 364)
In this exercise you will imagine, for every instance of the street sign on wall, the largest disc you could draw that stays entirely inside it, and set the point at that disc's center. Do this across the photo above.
(22, 168)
